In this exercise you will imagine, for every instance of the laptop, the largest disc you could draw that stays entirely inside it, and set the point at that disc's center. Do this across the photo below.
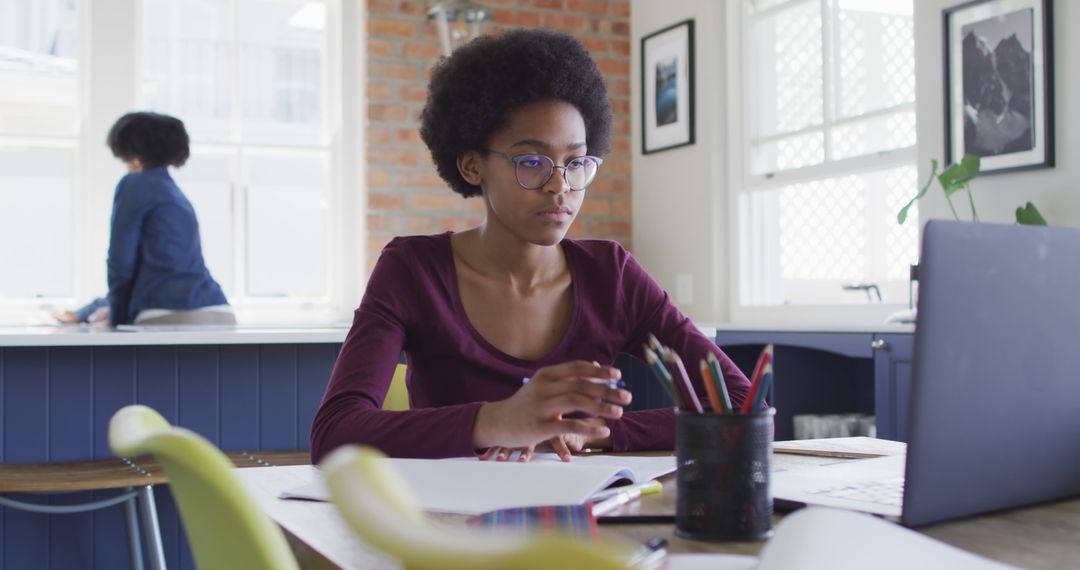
(994, 406)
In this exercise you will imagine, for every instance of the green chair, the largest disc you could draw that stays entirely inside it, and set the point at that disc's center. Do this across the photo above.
(225, 528)
(382, 510)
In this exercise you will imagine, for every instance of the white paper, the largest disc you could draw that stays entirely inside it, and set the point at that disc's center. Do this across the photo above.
(844, 447)
(818, 537)
(470, 486)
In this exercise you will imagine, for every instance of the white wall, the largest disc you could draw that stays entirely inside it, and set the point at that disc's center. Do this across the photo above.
(679, 196)
(1056, 191)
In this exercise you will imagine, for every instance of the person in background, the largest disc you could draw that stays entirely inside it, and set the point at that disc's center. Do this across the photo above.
(509, 328)
(156, 271)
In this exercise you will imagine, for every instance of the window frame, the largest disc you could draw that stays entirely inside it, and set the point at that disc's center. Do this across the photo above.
(742, 182)
(109, 58)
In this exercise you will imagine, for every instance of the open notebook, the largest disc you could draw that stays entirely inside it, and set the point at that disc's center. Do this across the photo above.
(469, 486)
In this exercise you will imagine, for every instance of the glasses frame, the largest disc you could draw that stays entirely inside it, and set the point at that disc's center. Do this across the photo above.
(517, 158)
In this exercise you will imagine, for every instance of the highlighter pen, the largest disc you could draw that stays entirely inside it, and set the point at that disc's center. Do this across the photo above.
(628, 495)
(649, 555)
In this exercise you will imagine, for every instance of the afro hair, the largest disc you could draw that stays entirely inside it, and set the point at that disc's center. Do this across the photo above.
(153, 138)
(473, 92)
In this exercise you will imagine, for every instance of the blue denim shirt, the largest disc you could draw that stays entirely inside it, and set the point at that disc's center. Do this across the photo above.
(155, 255)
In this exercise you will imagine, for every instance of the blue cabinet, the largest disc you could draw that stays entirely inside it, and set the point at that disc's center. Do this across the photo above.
(830, 373)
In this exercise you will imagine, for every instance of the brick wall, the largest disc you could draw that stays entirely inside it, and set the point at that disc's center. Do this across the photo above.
(405, 196)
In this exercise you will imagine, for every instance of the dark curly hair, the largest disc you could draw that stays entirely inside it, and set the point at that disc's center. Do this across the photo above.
(153, 138)
(472, 93)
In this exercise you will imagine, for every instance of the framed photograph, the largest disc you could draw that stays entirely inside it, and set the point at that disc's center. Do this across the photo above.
(999, 88)
(667, 88)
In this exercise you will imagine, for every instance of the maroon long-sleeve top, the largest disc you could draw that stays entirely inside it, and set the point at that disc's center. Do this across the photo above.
(412, 304)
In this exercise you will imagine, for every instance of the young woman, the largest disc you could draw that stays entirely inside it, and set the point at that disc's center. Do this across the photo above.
(155, 267)
(517, 121)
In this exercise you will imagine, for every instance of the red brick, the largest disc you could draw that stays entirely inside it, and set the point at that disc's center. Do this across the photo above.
(376, 136)
(620, 144)
(414, 93)
(381, 112)
(403, 224)
(565, 22)
(618, 87)
(379, 92)
(379, 48)
(427, 179)
(415, 50)
(622, 209)
(596, 206)
(408, 137)
(378, 178)
(621, 126)
(395, 28)
(379, 156)
(610, 67)
(620, 28)
(380, 6)
(447, 202)
(609, 187)
(596, 46)
(387, 70)
(620, 106)
(607, 229)
(595, 7)
(385, 201)
(548, 4)
(620, 47)
(411, 7)
(527, 19)
(620, 9)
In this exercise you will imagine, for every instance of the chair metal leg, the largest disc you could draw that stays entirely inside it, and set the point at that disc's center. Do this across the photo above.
(151, 528)
(134, 544)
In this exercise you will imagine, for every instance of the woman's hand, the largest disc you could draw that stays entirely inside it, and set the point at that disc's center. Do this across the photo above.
(100, 316)
(535, 412)
(565, 446)
(66, 317)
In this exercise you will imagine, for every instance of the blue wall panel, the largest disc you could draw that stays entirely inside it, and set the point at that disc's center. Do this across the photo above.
(277, 398)
(239, 407)
(56, 404)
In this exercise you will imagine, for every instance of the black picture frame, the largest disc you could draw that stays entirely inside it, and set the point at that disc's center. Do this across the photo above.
(667, 88)
(991, 47)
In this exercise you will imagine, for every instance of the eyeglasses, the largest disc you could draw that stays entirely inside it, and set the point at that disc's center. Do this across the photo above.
(534, 170)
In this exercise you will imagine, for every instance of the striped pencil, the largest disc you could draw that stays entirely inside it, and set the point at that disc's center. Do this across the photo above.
(721, 386)
(710, 388)
(663, 375)
(755, 381)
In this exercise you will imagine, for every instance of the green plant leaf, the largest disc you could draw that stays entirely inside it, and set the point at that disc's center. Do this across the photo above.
(956, 176)
(901, 216)
(1029, 215)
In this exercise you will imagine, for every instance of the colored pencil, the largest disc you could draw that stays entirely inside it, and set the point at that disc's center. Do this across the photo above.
(682, 380)
(721, 386)
(662, 374)
(766, 382)
(710, 389)
(755, 382)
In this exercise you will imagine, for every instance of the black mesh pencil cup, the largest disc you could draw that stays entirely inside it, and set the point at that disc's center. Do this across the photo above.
(723, 475)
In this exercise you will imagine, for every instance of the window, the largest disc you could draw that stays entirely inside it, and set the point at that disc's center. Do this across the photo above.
(249, 78)
(261, 87)
(828, 139)
(39, 121)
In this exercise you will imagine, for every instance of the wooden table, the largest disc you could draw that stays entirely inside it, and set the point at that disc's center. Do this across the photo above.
(1045, 536)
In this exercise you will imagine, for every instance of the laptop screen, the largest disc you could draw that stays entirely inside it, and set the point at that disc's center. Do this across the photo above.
(994, 414)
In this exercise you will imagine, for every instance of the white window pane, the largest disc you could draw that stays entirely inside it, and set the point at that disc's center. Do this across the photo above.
(787, 153)
(809, 240)
(187, 65)
(38, 67)
(206, 180)
(784, 71)
(876, 59)
(35, 208)
(868, 136)
(282, 61)
(286, 224)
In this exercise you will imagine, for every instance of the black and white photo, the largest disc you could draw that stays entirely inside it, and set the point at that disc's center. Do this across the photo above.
(998, 83)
